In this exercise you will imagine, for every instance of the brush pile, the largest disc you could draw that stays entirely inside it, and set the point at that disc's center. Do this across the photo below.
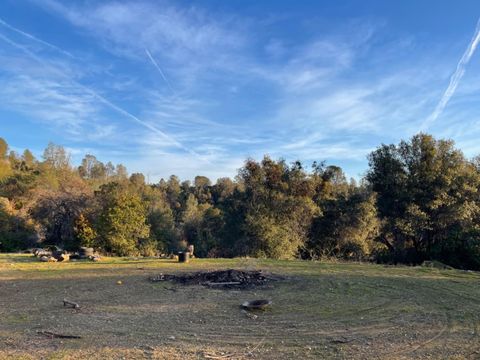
(229, 279)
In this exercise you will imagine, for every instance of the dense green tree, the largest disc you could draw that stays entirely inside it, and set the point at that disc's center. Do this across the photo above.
(84, 232)
(210, 233)
(202, 186)
(277, 215)
(162, 227)
(202, 226)
(348, 228)
(173, 192)
(164, 235)
(122, 220)
(202, 182)
(222, 190)
(137, 179)
(17, 186)
(428, 198)
(419, 200)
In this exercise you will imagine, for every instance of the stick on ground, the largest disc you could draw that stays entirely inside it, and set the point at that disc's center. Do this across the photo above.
(223, 283)
(70, 303)
(58, 336)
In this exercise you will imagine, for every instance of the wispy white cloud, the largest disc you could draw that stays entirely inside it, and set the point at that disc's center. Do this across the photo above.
(55, 102)
(159, 70)
(36, 39)
(225, 87)
(174, 32)
(454, 80)
(100, 98)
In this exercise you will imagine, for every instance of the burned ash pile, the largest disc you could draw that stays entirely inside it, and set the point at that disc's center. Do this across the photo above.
(230, 279)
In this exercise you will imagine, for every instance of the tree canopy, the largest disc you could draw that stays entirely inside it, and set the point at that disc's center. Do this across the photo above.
(419, 200)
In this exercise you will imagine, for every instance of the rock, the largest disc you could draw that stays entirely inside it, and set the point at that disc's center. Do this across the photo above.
(41, 252)
(47, 259)
(61, 256)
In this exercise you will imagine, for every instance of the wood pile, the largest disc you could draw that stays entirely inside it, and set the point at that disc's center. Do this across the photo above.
(218, 279)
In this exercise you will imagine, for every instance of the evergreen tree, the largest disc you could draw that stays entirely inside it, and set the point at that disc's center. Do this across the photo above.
(122, 221)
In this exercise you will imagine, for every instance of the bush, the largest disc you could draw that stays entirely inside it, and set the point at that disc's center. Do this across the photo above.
(148, 247)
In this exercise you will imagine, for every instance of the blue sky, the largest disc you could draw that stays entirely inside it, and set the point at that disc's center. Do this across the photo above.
(191, 88)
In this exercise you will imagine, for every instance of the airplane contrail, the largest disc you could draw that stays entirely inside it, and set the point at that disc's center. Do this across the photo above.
(454, 79)
(159, 70)
(103, 99)
(34, 38)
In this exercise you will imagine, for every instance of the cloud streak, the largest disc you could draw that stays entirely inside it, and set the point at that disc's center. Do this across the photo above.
(231, 85)
(454, 80)
(159, 70)
(34, 38)
(102, 99)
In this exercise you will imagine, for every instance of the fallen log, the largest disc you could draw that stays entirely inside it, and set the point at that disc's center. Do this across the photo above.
(215, 357)
(223, 283)
(70, 303)
(342, 340)
(58, 336)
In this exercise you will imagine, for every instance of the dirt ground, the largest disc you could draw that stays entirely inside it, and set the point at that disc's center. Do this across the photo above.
(319, 311)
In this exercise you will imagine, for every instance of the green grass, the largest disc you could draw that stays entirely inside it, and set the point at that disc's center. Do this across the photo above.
(328, 310)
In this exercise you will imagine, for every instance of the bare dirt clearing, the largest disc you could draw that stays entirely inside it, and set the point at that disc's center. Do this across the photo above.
(319, 311)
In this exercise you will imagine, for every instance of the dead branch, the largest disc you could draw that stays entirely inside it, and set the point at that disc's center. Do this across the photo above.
(214, 356)
(52, 335)
(223, 283)
(71, 304)
(341, 340)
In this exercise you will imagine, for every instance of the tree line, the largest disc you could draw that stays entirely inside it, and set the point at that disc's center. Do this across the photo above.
(418, 200)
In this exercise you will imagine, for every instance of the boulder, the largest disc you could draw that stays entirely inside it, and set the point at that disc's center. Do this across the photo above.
(47, 259)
